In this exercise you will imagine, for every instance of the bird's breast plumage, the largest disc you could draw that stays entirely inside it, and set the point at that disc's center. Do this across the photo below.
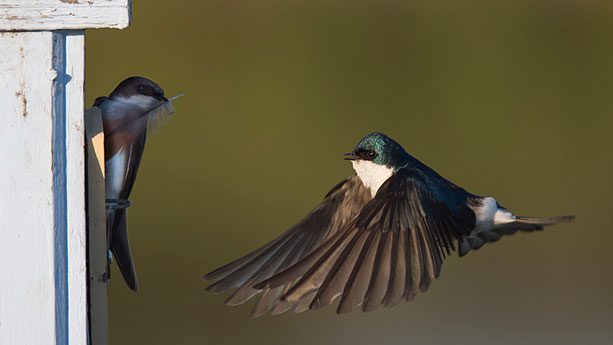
(372, 175)
(116, 171)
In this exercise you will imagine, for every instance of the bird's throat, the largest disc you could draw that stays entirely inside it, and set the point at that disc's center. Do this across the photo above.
(372, 175)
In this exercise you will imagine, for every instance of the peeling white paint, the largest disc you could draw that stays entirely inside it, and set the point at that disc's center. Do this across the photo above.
(63, 14)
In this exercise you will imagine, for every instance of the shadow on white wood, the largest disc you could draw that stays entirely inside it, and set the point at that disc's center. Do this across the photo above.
(96, 219)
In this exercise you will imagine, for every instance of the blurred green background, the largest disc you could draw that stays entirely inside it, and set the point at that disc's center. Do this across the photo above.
(511, 99)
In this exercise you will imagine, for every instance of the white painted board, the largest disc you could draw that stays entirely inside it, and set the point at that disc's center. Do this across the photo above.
(43, 296)
(26, 15)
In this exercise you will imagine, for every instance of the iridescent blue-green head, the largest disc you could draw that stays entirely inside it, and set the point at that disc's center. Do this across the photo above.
(380, 149)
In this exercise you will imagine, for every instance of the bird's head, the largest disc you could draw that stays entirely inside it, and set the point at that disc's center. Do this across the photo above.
(139, 91)
(379, 149)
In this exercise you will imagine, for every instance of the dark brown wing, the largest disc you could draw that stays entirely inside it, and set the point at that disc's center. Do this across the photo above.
(340, 205)
(390, 251)
(123, 154)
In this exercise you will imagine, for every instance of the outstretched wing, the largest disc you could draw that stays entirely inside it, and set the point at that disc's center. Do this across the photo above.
(390, 251)
(340, 205)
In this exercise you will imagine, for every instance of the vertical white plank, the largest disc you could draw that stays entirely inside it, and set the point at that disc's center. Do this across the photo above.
(42, 200)
(27, 287)
(74, 44)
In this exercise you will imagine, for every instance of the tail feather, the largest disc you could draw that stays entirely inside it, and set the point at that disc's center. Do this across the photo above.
(544, 221)
(521, 223)
(120, 246)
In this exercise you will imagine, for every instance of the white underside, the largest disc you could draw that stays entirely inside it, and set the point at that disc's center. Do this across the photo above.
(115, 173)
(490, 216)
(372, 175)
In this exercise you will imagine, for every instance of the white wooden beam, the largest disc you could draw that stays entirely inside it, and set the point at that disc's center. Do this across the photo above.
(26, 15)
(43, 291)
(71, 75)
(27, 290)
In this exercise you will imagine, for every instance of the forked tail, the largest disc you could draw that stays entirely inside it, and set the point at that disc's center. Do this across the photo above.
(522, 223)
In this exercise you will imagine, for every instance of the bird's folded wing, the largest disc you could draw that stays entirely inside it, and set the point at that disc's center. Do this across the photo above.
(390, 251)
(340, 205)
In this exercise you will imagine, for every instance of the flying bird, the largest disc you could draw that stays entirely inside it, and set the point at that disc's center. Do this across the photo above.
(378, 237)
(135, 105)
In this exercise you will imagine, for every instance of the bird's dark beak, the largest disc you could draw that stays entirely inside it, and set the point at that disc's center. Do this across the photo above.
(161, 98)
(350, 156)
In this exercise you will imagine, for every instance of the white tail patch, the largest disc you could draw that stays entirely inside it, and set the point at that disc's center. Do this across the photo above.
(372, 175)
(489, 215)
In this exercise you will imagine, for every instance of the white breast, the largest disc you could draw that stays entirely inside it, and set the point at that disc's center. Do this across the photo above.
(116, 173)
(372, 175)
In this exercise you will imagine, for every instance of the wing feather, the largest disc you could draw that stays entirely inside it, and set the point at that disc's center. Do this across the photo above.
(398, 277)
(325, 267)
(381, 273)
(335, 280)
(380, 251)
(357, 286)
(315, 237)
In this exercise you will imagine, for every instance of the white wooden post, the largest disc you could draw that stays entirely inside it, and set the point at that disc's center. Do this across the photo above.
(43, 268)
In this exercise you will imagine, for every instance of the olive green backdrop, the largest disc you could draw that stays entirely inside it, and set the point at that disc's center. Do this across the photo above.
(512, 99)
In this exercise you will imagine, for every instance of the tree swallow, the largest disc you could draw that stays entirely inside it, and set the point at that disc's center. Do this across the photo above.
(127, 113)
(378, 237)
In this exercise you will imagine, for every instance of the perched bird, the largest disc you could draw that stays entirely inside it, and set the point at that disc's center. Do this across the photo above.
(378, 237)
(126, 114)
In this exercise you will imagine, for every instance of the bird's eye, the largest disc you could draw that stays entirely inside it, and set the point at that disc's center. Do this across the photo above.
(371, 154)
(141, 88)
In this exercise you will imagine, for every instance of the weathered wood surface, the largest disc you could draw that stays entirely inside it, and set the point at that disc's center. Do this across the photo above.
(43, 296)
(26, 15)
(72, 44)
(27, 288)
